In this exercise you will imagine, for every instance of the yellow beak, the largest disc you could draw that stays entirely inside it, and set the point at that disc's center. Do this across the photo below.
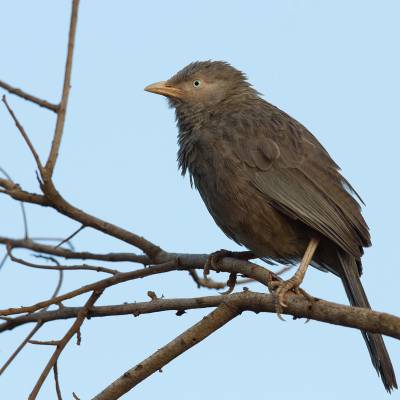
(165, 89)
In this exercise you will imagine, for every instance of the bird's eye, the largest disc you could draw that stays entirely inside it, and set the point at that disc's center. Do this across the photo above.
(196, 83)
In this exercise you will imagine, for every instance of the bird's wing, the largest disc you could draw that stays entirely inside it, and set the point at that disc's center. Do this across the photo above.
(297, 176)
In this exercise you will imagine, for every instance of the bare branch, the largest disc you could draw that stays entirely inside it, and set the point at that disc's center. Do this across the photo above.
(70, 236)
(135, 309)
(54, 199)
(298, 307)
(99, 285)
(24, 134)
(55, 146)
(45, 342)
(38, 325)
(58, 267)
(64, 341)
(14, 191)
(207, 283)
(68, 254)
(209, 324)
(3, 260)
(65, 208)
(177, 262)
(212, 284)
(22, 205)
(29, 97)
(57, 382)
(20, 347)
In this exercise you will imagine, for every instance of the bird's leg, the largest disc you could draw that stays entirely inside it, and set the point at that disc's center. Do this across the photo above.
(295, 281)
(217, 256)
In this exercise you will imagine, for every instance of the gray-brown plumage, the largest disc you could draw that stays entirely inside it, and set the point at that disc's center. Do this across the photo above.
(267, 181)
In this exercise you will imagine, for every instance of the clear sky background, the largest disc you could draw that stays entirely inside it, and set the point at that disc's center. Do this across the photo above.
(333, 65)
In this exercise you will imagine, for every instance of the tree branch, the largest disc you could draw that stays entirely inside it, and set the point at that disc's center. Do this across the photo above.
(56, 381)
(298, 307)
(61, 112)
(22, 205)
(55, 200)
(20, 347)
(63, 342)
(24, 134)
(58, 267)
(13, 190)
(198, 332)
(65, 208)
(175, 263)
(38, 325)
(71, 236)
(69, 254)
(29, 97)
(99, 285)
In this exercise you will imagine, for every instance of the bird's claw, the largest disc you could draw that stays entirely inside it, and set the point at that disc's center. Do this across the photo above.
(231, 283)
(214, 259)
(283, 288)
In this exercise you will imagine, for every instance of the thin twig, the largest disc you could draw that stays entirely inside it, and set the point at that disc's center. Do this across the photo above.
(207, 283)
(57, 382)
(3, 260)
(22, 205)
(38, 325)
(55, 146)
(45, 342)
(29, 97)
(70, 237)
(52, 239)
(80, 267)
(58, 266)
(20, 347)
(24, 134)
(63, 342)
(69, 254)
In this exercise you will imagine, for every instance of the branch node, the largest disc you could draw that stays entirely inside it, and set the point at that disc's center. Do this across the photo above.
(152, 295)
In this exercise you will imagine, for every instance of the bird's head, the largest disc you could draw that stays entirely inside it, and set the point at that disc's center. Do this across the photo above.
(203, 84)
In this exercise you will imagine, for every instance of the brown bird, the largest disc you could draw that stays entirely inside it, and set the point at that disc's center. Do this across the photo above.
(269, 184)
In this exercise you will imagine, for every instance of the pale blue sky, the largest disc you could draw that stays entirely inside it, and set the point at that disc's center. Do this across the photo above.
(334, 65)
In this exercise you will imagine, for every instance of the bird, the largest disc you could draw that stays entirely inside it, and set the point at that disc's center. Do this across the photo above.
(269, 184)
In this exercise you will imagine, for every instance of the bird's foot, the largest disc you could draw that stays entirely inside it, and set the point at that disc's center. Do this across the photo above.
(293, 284)
(214, 259)
(231, 283)
(283, 288)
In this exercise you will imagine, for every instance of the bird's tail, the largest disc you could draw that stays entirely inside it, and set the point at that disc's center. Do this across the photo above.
(376, 346)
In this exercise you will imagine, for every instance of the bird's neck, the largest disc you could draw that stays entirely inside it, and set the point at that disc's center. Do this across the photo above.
(189, 121)
(199, 126)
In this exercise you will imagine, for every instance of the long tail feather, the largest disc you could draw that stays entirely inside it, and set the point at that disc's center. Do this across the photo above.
(376, 346)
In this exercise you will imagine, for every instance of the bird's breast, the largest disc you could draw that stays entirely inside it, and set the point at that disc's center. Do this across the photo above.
(237, 207)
